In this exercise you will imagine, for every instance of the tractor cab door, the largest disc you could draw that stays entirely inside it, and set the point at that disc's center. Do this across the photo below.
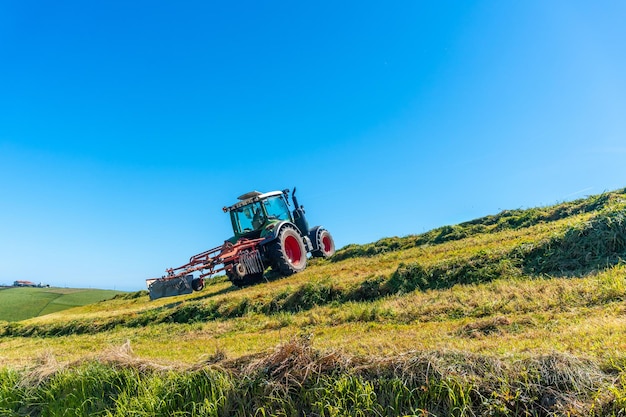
(249, 218)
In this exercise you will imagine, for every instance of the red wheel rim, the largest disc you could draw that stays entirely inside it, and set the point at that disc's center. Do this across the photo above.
(293, 250)
(327, 244)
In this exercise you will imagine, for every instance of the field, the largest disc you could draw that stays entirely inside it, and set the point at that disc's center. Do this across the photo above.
(20, 303)
(519, 313)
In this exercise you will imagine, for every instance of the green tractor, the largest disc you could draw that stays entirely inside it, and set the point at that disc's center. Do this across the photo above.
(266, 235)
(286, 237)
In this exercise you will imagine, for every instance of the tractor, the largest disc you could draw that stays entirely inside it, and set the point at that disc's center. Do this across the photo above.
(266, 235)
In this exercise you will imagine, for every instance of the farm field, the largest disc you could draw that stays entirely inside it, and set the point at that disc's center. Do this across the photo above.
(20, 303)
(519, 313)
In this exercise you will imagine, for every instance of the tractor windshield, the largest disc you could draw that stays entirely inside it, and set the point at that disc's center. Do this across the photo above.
(249, 218)
(276, 208)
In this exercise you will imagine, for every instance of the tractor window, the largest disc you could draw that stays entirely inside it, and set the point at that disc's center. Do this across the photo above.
(276, 208)
(250, 217)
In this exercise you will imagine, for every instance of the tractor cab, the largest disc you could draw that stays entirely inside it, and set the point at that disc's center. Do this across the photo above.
(255, 211)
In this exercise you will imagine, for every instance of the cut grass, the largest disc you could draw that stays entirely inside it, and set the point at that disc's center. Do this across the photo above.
(519, 313)
(538, 311)
(329, 282)
(296, 379)
(506, 220)
(498, 257)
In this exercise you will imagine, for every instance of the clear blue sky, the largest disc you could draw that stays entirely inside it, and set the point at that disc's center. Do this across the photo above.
(125, 126)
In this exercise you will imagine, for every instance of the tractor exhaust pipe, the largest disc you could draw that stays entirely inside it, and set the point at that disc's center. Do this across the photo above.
(298, 215)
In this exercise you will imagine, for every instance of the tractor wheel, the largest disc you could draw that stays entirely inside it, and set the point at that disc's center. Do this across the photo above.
(324, 244)
(234, 279)
(239, 277)
(197, 284)
(287, 253)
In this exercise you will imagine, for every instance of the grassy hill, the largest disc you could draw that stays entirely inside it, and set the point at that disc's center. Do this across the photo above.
(25, 302)
(519, 313)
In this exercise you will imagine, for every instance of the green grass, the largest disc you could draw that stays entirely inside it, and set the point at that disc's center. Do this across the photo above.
(297, 380)
(519, 313)
(24, 302)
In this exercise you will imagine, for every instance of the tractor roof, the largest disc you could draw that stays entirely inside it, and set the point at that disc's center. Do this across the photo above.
(251, 197)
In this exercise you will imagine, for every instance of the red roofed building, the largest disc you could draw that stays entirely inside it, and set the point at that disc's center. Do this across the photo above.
(24, 284)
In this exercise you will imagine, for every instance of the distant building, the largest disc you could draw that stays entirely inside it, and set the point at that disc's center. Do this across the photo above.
(24, 284)
(29, 284)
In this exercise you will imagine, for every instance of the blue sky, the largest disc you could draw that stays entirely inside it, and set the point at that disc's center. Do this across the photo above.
(125, 127)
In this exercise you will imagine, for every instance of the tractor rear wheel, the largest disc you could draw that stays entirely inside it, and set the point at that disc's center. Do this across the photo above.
(240, 277)
(287, 253)
(234, 279)
(323, 243)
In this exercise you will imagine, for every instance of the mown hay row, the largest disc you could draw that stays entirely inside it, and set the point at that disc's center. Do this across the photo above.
(505, 220)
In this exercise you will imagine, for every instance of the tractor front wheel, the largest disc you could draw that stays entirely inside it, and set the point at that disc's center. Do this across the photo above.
(323, 243)
(287, 253)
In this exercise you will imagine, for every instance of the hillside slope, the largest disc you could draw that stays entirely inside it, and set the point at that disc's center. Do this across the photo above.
(522, 311)
(23, 303)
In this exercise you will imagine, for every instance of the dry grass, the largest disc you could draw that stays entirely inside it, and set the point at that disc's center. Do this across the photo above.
(296, 378)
